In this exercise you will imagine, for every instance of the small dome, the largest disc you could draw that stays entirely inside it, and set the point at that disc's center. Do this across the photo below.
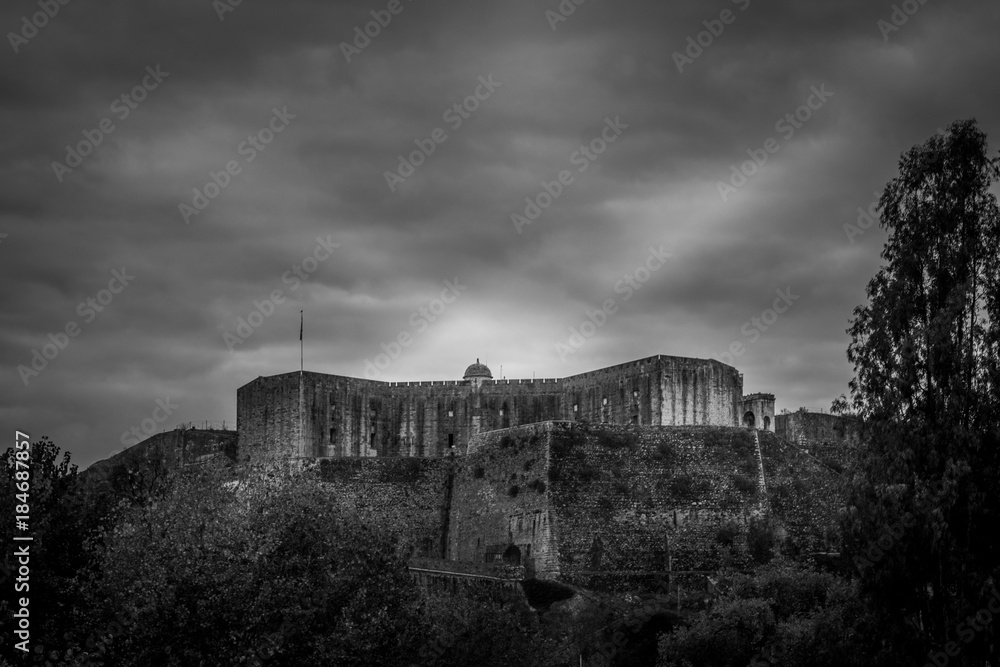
(477, 370)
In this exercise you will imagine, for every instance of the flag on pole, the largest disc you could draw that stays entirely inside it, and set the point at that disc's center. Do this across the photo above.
(300, 325)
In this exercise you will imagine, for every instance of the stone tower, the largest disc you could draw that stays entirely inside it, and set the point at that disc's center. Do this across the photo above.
(757, 411)
(476, 373)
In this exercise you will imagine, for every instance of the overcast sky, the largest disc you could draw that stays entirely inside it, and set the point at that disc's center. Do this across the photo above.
(311, 121)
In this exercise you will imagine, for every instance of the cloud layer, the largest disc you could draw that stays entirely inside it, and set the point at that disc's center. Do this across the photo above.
(688, 114)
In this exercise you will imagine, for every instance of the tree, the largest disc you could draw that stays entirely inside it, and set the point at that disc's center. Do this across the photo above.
(781, 614)
(232, 568)
(921, 525)
(841, 407)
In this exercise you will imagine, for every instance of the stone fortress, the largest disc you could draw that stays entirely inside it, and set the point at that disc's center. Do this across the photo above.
(647, 475)
(656, 469)
(311, 415)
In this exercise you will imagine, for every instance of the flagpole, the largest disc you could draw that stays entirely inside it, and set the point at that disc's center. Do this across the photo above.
(300, 341)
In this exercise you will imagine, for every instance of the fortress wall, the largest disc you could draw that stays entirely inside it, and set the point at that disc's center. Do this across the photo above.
(621, 504)
(417, 420)
(699, 392)
(622, 394)
(341, 415)
(267, 416)
(408, 495)
(167, 450)
(523, 402)
(805, 494)
(632, 500)
(352, 417)
(500, 498)
(830, 438)
(337, 416)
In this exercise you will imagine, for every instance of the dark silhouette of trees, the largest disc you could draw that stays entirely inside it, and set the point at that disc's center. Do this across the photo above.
(923, 514)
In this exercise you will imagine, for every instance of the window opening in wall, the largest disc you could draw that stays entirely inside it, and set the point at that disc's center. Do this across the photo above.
(451, 440)
(331, 434)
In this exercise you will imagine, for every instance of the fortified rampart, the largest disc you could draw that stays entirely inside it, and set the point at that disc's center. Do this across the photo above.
(830, 438)
(167, 450)
(599, 506)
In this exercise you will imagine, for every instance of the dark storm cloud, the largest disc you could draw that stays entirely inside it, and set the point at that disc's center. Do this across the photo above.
(323, 177)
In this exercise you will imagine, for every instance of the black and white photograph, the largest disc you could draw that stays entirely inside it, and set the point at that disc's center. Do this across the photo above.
(555, 333)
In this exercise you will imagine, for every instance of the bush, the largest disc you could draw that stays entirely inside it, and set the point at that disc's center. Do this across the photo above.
(615, 440)
(731, 634)
(681, 486)
(727, 534)
(226, 570)
(783, 615)
(761, 538)
(744, 484)
(665, 452)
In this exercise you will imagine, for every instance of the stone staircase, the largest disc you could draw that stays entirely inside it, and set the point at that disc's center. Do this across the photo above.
(761, 484)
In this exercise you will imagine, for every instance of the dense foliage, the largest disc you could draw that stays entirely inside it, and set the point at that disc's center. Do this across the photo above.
(921, 528)
(233, 566)
(783, 615)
